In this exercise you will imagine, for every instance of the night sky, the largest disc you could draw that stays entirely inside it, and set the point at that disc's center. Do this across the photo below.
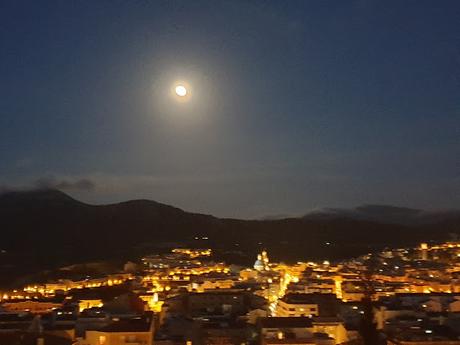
(294, 105)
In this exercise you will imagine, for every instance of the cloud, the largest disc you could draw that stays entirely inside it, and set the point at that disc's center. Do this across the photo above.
(68, 184)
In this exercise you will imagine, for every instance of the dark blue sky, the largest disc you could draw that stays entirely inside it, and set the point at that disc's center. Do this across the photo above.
(295, 104)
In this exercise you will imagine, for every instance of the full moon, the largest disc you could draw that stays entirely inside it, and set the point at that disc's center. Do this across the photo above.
(181, 90)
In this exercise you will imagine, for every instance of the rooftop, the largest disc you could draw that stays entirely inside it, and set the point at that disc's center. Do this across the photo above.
(132, 325)
(285, 322)
(312, 298)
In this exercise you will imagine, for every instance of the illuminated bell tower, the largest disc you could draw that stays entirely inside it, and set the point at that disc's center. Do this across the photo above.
(424, 251)
(265, 261)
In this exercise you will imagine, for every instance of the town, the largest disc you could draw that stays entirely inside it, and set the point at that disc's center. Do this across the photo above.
(401, 296)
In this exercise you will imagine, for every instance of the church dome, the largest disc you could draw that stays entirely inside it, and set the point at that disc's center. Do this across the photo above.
(259, 264)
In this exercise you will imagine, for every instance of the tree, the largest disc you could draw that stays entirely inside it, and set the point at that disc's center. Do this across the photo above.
(368, 327)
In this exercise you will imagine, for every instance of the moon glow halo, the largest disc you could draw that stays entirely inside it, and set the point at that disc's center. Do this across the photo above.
(181, 90)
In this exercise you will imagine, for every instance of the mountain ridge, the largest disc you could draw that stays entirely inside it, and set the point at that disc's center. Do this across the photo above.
(47, 228)
(387, 214)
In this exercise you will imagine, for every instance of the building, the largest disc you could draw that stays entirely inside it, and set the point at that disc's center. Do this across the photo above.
(422, 341)
(217, 302)
(274, 329)
(34, 307)
(315, 304)
(129, 332)
(89, 303)
(302, 330)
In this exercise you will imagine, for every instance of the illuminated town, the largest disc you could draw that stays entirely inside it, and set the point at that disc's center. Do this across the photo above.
(407, 295)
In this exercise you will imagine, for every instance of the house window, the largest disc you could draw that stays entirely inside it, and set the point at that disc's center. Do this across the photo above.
(102, 339)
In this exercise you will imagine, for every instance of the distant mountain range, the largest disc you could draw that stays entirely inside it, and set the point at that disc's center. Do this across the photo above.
(45, 228)
(387, 214)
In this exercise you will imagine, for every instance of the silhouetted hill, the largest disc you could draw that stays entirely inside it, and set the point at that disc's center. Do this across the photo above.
(39, 219)
(46, 228)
